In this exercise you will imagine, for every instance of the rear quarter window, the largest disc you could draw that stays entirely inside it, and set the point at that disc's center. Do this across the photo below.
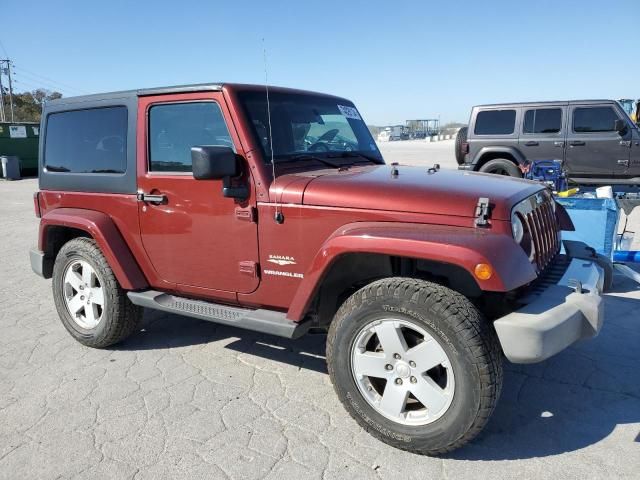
(87, 141)
(495, 122)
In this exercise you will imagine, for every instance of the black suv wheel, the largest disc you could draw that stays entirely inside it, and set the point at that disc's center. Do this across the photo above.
(415, 364)
(501, 166)
(90, 303)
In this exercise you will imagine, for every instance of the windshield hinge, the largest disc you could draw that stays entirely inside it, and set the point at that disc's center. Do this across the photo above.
(483, 212)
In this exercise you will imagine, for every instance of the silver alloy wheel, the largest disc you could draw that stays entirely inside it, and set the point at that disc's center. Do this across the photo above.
(83, 294)
(402, 371)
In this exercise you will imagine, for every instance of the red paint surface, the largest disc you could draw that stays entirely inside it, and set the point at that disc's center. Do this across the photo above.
(102, 228)
(446, 192)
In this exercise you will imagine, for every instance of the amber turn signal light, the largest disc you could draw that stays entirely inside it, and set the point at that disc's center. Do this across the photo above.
(483, 271)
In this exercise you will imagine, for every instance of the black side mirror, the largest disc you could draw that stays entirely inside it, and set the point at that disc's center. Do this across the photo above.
(620, 126)
(212, 162)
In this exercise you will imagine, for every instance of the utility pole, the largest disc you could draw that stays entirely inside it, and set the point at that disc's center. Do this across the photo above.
(2, 117)
(7, 70)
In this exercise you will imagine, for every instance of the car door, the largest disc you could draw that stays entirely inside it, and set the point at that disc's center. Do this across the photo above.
(543, 131)
(594, 147)
(634, 160)
(194, 237)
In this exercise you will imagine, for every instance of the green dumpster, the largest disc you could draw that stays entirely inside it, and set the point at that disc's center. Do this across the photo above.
(20, 139)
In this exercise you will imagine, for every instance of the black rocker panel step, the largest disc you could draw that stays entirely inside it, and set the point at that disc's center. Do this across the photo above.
(265, 321)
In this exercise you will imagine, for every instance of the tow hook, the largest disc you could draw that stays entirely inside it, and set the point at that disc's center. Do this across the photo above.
(483, 212)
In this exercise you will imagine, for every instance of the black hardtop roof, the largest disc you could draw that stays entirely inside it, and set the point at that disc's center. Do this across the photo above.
(545, 103)
(196, 87)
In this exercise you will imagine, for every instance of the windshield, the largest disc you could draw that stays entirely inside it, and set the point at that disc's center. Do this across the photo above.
(307, 124)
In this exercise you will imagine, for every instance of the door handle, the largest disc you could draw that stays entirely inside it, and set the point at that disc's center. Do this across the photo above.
(531, 144)
(558, 144)
(577, 143)
(151, 198)
(623, 162)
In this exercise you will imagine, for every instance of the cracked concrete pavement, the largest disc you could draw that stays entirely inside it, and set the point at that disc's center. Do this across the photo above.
(189, 399)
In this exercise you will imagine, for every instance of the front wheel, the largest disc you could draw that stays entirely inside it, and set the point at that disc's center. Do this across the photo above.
(415, 364)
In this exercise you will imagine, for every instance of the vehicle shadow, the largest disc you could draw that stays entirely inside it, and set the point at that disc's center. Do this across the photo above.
(571, 401)
(160, 330)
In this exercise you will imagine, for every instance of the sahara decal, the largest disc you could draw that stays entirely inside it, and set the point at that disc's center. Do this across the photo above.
(281, 260)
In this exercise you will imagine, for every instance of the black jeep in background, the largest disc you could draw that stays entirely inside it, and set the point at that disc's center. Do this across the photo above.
(595, 139)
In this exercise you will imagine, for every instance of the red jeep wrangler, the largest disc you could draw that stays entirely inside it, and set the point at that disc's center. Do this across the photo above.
(274, 211)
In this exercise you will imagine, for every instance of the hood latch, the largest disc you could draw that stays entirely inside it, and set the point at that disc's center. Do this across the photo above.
(483, 212)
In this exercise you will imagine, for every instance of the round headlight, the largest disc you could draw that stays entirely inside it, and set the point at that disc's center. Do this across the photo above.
(517, 228)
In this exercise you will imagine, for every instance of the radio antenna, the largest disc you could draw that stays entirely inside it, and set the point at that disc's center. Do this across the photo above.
(278, 217)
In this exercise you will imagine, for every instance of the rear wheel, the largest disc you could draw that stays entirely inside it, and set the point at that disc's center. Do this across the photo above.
(415, 364)
(501, 166)
(91, 305)
(461, 138)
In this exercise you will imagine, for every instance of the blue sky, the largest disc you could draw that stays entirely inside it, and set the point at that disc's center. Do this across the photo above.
(395, 60)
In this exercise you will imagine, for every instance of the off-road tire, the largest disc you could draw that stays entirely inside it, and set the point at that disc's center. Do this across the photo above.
(461, 137)
(120, 317)
(502, 166)
(468, 339)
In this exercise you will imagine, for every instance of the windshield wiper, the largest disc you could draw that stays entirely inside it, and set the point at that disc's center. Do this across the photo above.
(306, 156)
(353, 154)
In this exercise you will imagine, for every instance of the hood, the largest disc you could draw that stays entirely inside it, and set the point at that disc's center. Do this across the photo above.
(414, 189)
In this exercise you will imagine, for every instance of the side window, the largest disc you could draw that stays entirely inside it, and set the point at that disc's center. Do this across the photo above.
(176, 127)
(87, 141)
(543, 120)
(594, 119)
(495, 122)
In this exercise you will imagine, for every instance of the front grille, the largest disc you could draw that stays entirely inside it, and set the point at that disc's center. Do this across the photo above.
(542, 226)
(552, 275)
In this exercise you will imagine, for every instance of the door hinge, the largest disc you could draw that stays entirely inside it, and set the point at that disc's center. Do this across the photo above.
(246, 214)
(249, 267)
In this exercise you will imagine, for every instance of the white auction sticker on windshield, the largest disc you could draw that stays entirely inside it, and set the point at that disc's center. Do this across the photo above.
(349, 112)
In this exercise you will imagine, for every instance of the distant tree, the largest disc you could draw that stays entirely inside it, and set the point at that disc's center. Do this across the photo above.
(27, 106)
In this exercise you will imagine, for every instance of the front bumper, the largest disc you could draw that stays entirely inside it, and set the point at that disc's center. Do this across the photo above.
(556, 317)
